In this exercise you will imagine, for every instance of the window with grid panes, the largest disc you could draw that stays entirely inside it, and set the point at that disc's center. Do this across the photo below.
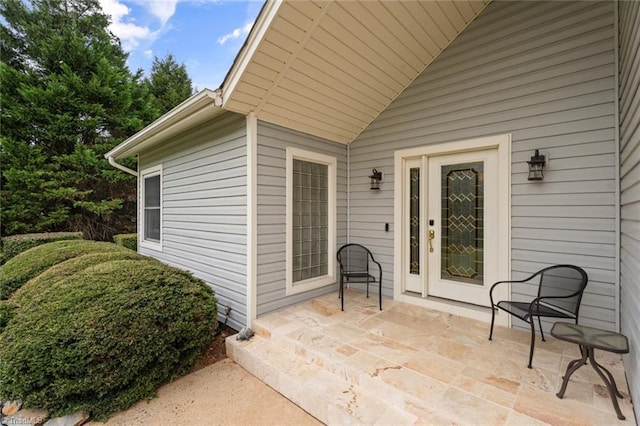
(310, 220)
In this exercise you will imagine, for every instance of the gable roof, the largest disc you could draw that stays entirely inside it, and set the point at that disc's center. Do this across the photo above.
(329, 68)
(324, 67)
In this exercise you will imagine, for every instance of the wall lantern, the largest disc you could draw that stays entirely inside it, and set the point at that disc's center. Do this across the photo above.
(536, 165)
(375, 177)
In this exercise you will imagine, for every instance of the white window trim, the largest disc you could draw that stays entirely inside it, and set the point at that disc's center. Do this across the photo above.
(330, 278)
(147, 173)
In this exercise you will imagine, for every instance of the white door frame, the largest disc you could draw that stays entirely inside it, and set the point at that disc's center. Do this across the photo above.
(503, 144)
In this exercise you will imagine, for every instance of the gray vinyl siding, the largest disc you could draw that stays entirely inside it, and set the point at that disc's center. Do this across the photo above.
(629, 68)
(543, 72)
(272, 143)
(204, 199)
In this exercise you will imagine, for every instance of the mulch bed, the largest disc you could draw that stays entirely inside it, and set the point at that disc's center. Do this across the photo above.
(216, 352)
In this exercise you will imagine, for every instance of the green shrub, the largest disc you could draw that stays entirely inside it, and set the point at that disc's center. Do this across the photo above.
(129, 241)
(16, 244)
(7, 312)
(104, 337)
(32, 262)
(47, 280)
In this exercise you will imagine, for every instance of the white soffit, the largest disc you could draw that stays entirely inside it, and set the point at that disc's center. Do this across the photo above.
(329, 68)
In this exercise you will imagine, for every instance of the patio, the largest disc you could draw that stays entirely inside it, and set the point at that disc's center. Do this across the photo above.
(410, 365)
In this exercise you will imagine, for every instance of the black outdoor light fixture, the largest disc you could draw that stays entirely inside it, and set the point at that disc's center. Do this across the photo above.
(536, 165)
(375, 177)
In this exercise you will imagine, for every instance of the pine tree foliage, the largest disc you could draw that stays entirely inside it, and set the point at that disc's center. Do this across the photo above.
(169, 83)
(67, 98)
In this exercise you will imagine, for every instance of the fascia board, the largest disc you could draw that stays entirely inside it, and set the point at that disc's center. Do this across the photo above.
(262, 25)
(203, 105)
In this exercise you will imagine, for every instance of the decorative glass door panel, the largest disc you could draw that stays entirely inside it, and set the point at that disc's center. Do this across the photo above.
(462, 222)
(414, 264)
(414, 218)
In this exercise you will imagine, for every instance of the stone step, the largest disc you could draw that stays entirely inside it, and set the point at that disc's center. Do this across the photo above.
(331, 398)
(340, 358)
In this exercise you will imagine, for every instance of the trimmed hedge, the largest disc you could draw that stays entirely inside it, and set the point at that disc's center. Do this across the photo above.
(100, 335)
(129, 241)
(46, 282)
(7, 312)
(16, 244)
(32, 262)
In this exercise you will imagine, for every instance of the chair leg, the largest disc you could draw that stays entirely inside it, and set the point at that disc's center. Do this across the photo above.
(541, 331)
(342, 293)
(380, 294)
(533, 341)
(367, 287)
(493, 318)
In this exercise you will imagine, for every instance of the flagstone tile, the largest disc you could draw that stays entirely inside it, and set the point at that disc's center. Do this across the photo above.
(421, 341)
(411, 365)
(434, 366)
(541, 359)
(492, 379)
(518, 419)
(414, 384)
(396, 417)
(350, 405)
(602, 401)
(344, 333)
(453, 350)
(424, 324)
(369, 364)
(545, 380)
(498, 396)
(470, 409)
(355, 317)
(312, 340)
(546, 407)
(287, 328)
(384, 348)
(468, 384)
(502, 348)
(430, 415)
(390, 330)
(323, 308)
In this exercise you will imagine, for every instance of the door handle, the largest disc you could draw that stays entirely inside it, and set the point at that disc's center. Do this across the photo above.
(432, 235)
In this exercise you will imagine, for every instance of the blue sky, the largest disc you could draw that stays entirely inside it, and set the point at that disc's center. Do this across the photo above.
(205, 35)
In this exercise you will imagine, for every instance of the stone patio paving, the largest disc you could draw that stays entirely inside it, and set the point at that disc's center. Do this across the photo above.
(411, 365)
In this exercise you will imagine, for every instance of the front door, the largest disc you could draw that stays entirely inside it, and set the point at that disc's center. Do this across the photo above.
(451, 225)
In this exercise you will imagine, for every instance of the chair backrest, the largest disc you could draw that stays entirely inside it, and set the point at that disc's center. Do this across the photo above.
(564, 282)
(354, 258)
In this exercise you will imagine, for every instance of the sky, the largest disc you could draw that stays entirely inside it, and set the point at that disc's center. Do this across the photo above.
(205, 35)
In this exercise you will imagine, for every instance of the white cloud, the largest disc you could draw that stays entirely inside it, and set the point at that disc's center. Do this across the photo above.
(161, 9)
(114, 8)
(148, 53)
(125, 27)
(236, 34)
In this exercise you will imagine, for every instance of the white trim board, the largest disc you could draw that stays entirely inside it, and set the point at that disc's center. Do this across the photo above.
(331, 162)
(503, 144)
(149, 172)
(252, 218)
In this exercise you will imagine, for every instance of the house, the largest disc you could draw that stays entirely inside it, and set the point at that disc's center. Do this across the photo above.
(255, 185)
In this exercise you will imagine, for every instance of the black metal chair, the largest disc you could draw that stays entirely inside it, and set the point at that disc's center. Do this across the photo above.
(560, 290)
(354, 267)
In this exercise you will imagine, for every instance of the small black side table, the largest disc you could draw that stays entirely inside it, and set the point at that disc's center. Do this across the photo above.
(589, 339)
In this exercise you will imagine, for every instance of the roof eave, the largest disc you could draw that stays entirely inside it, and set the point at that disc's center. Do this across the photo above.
(199, 107)
(263, 23)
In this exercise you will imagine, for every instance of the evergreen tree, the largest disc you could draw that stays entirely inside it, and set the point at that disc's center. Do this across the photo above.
(169, 83)
(67, 98)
